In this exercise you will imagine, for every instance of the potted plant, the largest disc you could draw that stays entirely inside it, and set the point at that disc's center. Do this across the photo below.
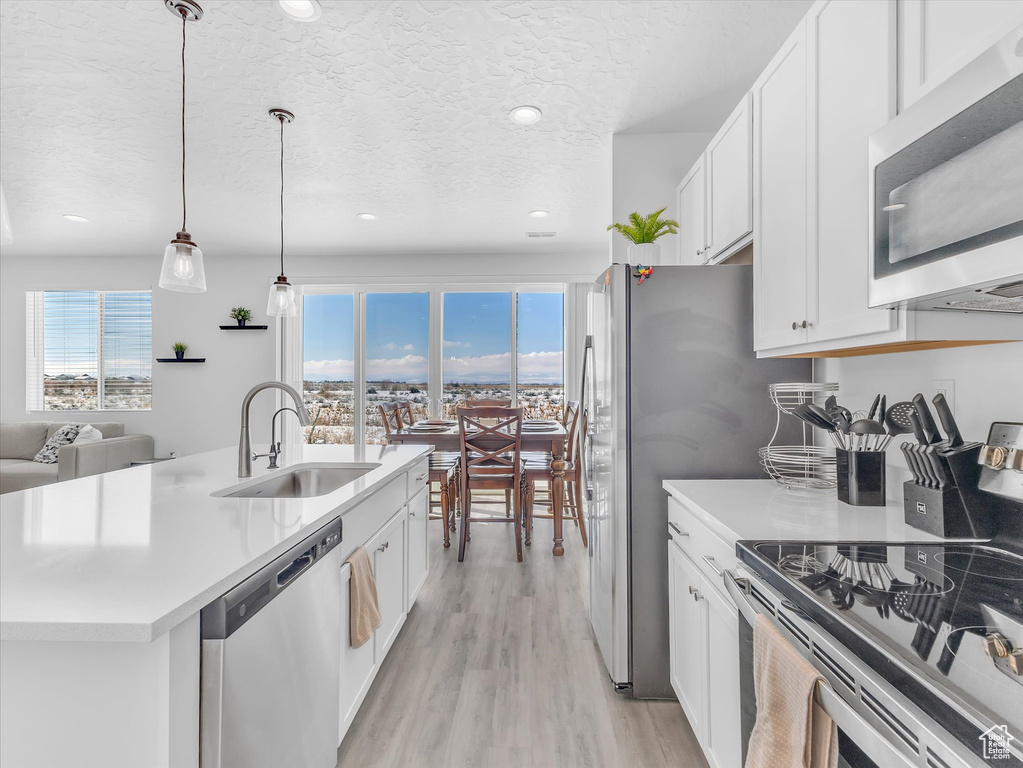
(179, 350)
(242, 315)
(643, 231)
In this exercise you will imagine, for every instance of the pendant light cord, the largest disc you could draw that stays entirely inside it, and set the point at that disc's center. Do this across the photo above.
(184, 203)
(282, 194)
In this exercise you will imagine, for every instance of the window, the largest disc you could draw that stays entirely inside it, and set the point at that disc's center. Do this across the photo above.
(540, 347)
(433, 346)
(89, 350)
(328, 367)
(477, 348)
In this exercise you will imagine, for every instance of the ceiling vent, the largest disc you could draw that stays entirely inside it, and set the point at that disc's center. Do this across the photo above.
(541, 234)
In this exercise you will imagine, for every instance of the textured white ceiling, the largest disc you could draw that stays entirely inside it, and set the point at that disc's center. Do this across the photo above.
(402, 110)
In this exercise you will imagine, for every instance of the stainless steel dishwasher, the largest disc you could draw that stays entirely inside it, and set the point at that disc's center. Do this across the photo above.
(270, 663)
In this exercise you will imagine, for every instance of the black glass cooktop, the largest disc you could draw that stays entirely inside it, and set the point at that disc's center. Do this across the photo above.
(951, 613)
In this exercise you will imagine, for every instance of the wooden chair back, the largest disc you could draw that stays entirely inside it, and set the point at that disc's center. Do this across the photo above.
(571, 424)
(405, 413)
(491, 446)
(486, 404)
(391, 417)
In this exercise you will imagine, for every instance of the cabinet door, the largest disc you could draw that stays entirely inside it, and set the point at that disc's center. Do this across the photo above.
(357, 664)
(937, 37)
(730, 181)
(687, 628)
(692, 215)
(780, 197)
(852, 93)
(388, 549)
(418, 546)
(723, 747)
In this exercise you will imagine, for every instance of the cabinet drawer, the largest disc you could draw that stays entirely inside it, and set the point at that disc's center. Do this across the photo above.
(418, 478)
(711, 554)
(360, 523)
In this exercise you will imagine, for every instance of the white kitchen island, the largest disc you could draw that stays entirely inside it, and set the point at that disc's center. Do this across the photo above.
(102, 580)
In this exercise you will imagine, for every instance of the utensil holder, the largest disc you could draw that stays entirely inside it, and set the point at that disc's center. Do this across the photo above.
(861, 477)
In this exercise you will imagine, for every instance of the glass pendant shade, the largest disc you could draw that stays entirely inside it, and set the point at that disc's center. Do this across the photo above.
(282, 299)
(182, 266)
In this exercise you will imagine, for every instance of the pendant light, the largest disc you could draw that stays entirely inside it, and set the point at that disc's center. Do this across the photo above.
(182, 260)
(282, 296)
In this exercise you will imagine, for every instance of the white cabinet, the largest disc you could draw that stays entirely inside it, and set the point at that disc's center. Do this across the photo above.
(418, 546)
(703, 627)
(780, 200)
(729, 169)
(724, 732)
(687, 630)
(387, 549)
(692, 215)
(937, 37)
(358, 665)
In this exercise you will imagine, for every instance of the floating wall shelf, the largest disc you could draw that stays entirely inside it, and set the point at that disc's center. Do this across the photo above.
(244, 327)
(183, 360)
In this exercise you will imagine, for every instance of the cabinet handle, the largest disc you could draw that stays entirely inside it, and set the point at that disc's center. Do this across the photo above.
(420, 477)
(677, 530)
(710, 561)
(692, 590)
(383, 546)
(795, 325)
(805, 324)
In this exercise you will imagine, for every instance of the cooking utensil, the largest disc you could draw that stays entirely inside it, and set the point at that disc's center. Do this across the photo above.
(948, 422)
(864, 428)
(817, 418)
(873, 407)
(884, 409)
(896, 419)
(898, 599)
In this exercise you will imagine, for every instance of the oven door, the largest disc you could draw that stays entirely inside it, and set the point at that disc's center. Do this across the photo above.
(946, 213)
(859, 744)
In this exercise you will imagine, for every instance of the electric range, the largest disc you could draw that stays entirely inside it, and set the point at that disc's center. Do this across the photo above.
(940, 623)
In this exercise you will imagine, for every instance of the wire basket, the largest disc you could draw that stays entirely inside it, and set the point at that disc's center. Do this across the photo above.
(800, 466)
(787, 395)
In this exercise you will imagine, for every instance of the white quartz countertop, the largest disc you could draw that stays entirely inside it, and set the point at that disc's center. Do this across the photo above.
(127, 555)
(763, 510)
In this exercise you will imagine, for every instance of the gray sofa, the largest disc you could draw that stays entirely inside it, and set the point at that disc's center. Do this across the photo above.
(21, 441)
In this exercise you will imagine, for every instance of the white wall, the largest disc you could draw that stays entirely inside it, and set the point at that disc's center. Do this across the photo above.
(987, 388)
(645, 169)
(196, 407)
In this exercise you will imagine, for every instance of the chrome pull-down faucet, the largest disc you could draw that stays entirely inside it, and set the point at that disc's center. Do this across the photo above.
(244, 443)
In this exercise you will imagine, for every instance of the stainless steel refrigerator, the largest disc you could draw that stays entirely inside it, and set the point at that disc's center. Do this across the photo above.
(673, 390)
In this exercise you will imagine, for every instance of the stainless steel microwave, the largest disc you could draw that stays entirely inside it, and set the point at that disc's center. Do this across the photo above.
(946, 192)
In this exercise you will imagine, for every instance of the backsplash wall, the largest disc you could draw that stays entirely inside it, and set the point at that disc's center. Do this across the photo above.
(987, 387)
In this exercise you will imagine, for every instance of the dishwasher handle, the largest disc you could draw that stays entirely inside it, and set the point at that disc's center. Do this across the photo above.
(286, 575)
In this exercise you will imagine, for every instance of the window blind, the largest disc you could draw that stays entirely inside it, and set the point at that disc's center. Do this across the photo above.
(89, 350)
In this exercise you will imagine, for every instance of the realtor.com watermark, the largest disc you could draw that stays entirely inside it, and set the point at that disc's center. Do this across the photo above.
(996, 742)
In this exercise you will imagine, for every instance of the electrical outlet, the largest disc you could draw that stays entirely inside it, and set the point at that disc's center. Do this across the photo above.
(947, 387)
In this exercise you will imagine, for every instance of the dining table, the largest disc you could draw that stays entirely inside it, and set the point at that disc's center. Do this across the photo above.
(543, 436)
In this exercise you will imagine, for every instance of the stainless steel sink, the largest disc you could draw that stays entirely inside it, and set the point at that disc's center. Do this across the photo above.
(302, 482)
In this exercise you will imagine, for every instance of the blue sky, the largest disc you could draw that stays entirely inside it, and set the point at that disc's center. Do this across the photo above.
(477, 331)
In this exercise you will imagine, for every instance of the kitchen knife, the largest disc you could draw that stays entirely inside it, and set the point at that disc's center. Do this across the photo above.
(884, 409)
(917, 451)
(926, 420)
(948, 422)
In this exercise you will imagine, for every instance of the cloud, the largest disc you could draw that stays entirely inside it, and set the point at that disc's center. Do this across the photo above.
(392, 345)
(534, 368)
(453, 344)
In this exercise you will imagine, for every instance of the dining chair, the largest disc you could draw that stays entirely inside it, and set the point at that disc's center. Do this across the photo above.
(444, 471)
(405, 413)
(486, 403)
(491, 454)
(538, 469)
(390, 416)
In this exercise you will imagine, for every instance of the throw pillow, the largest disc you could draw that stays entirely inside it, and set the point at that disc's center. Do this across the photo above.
(89, 434)
(63, 436)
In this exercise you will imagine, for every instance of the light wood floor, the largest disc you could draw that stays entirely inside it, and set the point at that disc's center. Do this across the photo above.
(497, 666)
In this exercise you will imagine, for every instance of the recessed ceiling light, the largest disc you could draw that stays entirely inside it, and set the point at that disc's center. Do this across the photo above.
(301, 10)
(539, 214)
(367, 216)
(525, 115)
(75, 217)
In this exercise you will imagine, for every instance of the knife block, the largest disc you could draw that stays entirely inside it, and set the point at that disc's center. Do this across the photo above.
(956, 510)
(861, 477)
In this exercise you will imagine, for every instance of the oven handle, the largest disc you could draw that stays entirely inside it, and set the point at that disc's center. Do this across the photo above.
(859, 731)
